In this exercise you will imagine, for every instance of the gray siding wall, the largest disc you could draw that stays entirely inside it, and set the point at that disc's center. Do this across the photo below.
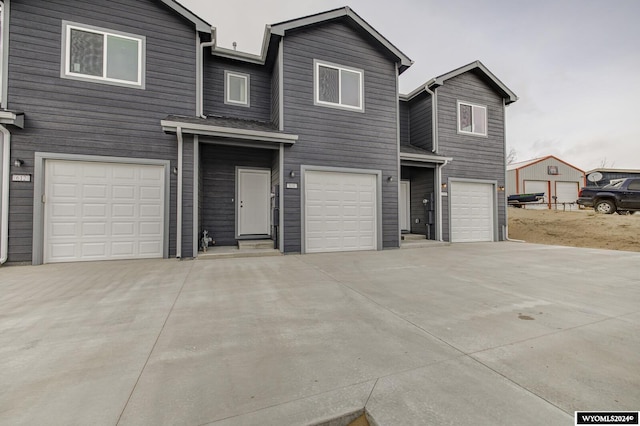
(275, 95)
(259, 89)
(334, 137)
(218, 168)
(474, 157)
(404, 123)
(420, 127)
(68, 116)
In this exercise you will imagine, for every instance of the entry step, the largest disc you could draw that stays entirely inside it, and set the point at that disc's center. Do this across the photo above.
(255, 244)
(413, 237)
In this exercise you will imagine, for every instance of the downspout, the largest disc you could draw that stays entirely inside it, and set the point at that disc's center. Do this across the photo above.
(505, 229)
(200, 72)
(439, 198)
(4, 216)
(179, 197)
(434, 149)
(434, 115)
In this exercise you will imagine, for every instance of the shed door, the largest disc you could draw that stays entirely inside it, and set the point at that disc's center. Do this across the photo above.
(101, 211)
(472, 211)
(340, 211)
(567, 192)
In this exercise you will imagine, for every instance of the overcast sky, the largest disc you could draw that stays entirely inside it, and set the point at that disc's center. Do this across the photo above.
(574, 64)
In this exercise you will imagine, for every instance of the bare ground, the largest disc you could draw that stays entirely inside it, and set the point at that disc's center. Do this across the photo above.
(582, 228)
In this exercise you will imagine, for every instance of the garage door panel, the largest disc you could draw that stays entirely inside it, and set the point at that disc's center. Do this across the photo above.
(94, 229)
(123, 192)
(340, 212)
(119, 214)
(94, 191)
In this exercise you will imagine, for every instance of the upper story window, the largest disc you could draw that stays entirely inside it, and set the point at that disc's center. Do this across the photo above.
(236, 88)
(338, 86)
(104, 56)
(472, 119)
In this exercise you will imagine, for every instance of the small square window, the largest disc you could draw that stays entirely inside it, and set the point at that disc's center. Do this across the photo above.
(338, 86)
(105, 56)
(472, 119)
(236, 88)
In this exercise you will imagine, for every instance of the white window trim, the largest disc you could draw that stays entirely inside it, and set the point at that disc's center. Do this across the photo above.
(66, 72)
(486, 119)
(340, 68)
(247, 79)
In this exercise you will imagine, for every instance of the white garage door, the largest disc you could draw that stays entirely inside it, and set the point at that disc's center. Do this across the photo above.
(567, 192)
(100, 211)
(472, 215)
(340, 212)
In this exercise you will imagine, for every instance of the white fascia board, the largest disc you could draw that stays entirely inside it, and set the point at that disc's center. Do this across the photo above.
(281, 29)
(439, 81)
(425, 158)
(243, 56)
(201, 25)
(228, 132)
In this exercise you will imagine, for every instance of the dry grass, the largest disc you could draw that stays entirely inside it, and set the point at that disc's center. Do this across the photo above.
(576, 229)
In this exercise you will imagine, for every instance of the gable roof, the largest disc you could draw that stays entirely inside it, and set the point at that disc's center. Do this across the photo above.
(201, 25)
(523, 164)
(280, 29)
(494, 81)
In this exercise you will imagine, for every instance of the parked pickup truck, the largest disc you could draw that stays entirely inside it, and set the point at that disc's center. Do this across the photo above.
(622, 196)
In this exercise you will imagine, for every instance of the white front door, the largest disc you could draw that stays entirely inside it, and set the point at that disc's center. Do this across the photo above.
(405, 207)
(253, 201)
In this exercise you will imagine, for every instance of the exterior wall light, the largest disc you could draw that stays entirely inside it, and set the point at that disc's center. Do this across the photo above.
(390, 178)
(444, 186)
(18, 163)
(501, 188)
(292, 173)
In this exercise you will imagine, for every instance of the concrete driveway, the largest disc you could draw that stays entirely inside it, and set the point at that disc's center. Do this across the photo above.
(501, 333)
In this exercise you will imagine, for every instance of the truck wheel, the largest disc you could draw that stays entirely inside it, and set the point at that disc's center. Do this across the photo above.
(605, 206)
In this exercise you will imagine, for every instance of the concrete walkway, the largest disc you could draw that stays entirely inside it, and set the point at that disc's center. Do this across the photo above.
(501, 333)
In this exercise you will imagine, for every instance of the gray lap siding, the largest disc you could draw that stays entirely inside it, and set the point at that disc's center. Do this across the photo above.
(90, 118)
(259, 89)
(339, 138)
(420, 119)
(474, 157)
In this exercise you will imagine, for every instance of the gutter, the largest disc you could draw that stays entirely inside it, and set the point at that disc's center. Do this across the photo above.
(4, 203)
(179, 197)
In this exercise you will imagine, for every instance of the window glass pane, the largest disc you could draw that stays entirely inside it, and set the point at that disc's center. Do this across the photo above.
(350, 82)
(465, 118)
(634, 185)
(237, 90)
(479, 120)
(86, 53)
(328, 84)
(122, 58)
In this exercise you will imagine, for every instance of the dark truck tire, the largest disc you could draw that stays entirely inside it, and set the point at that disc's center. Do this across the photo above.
(605, 207)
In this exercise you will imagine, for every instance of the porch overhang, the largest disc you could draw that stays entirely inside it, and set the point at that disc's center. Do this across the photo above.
(12, 117)
(424, 158)
(252, 135)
